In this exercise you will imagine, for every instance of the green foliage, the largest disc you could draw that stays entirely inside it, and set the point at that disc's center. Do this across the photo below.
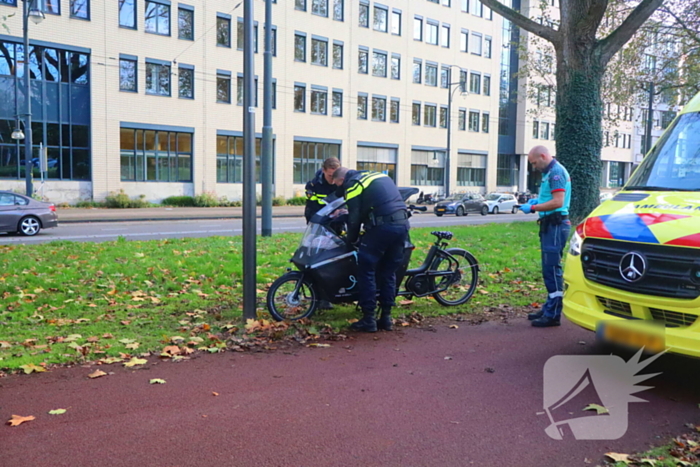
(87, 204)
(181, 201)
(145, 290)
(297, 201)
(278, 201)
(206, 199)
(121, 200)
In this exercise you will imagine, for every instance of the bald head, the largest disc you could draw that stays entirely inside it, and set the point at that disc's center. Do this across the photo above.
(539, 157)
(339, 175)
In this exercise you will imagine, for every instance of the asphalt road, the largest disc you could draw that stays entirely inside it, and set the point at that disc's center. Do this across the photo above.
(471, 396)
(107, 231)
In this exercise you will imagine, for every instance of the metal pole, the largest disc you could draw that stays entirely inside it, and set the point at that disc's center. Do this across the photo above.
(650, 117)
(449, 133)
(266, 162)
(28, 97)
(249, 228)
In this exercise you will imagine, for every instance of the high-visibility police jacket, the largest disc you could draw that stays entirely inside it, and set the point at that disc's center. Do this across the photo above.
(369, 192)
(316, 191)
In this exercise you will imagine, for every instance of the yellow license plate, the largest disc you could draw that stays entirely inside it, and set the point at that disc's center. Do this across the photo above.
(634, 334)
(440, 209)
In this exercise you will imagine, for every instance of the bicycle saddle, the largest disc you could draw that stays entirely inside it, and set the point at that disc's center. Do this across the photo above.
(442, 235)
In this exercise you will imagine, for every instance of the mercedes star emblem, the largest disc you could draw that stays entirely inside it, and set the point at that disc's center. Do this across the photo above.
(633, 266)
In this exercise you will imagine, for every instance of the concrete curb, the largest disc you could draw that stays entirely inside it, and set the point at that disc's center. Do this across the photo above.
(153, 219)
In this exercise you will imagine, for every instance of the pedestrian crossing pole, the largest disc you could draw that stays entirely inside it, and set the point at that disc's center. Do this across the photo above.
(266, 165)
(249, 198)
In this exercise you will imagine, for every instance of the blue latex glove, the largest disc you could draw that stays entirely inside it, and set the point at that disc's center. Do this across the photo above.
(527, 208)
(533, 201)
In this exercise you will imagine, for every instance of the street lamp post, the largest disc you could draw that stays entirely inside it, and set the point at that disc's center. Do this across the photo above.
(451, 88)
(30, 10)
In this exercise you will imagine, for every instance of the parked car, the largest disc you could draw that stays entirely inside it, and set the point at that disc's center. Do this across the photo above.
(461, 204)
(25, 215)
(501, 202)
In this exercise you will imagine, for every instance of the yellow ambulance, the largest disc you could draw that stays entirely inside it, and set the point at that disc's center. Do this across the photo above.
(632, 272)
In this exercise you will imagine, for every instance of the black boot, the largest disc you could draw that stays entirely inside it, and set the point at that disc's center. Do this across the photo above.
(368, 323)
(385, 322)
(535, 315)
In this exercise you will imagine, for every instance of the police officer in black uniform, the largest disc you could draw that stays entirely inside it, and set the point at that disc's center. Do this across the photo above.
(374, 200)
(319, 187)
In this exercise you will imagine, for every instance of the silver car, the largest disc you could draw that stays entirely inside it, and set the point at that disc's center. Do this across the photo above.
(25, 215)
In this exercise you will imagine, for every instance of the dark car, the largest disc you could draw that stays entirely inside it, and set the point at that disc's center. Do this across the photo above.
(461, 204)
(25, 215)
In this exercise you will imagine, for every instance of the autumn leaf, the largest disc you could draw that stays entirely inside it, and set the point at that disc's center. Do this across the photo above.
(507, 270)
(214, 393)
(617, 457)
(406, 302)
(251, 325)
(157, 381)
(135, 361)
(32, 368)
(127, 341)
(170, 350)
(5, 345)
(57, 412)
(598, 408)
(110, 360)
(318, 345)
(454, 326)
(483, 291)
(133, 346)
(97, 374)
(17, 420)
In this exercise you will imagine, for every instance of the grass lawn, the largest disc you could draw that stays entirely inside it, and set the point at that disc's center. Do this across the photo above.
(65, 302)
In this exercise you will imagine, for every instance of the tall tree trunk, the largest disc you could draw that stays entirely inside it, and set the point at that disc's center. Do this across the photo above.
(578, 131)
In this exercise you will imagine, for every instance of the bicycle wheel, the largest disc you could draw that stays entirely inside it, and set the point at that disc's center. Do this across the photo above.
(291, 297)
(461, 284)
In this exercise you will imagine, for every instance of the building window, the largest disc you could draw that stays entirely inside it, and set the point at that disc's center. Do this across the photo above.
(185, 78)
(319, 7)
(319, 52)
(299, 98)
(223, 31)
(300, 5)
(396, 22)
(476, 8)
(379, 109)
(158, 79)
(427, 168)
(487, 47)
(535, 129)
(337, 110)
(415, 113)
(444, 77)
(155, 156)
(299, 48)
(229, 158)
(464, 41)
(418, 28)
(484, 123)
(80, 9)
(376, 159)
(476, 43)
(362, 59)
(381, 19)
(338, 56)
(127, 75)
(430, 74)
(443, 117)
(394, 110)
(431, 33)
(309, 156)
(475, 83)
(362, 107)
(544, 130)
(473, 121)
(364, 15)
(185, 24)
(338, 10)
(379, 64)
(430, 115)
(223, 89)
(127, 14)
(417, 65)
(471, 170)
(462, 120)
(462, 81)
(395, 67)
(445, 35)
(487, 85)
(507, 170)
(157, 18)
(240, 35)
(465, 6)
(52, 7)
(319, 101)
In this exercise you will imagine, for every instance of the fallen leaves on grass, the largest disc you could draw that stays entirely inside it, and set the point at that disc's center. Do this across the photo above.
(32, 368)
(17, 420)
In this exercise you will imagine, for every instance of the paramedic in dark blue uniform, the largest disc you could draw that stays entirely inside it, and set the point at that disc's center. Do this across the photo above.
(374, 200)
(318, 188)
(552, 205)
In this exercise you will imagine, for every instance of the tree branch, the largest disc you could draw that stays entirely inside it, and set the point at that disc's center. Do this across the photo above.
(545, 32)
(688, 30)
(619, 37)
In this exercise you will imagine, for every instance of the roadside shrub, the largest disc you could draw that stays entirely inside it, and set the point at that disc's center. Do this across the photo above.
(206, 200)
(121, 200)
(278, 201)
(181, 201)
(86, 203)
(297, 201)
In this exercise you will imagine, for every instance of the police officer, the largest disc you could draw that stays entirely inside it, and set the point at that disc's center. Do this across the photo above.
(374, 200)
(319, 187)
(552, 205)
